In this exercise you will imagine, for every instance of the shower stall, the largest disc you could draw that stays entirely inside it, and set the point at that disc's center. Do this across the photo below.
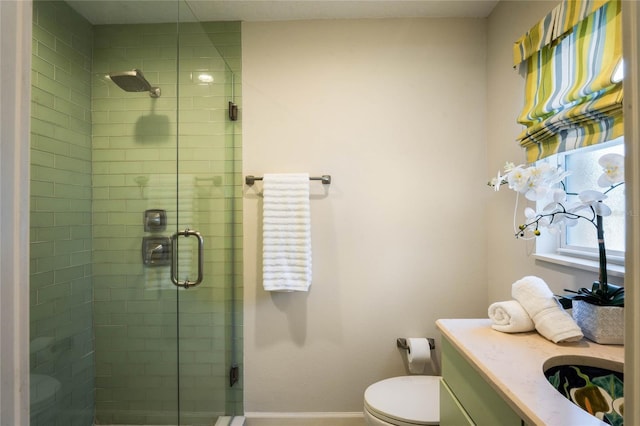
(135, 280)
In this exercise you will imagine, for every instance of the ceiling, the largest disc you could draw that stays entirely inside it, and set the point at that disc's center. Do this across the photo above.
(154, 11)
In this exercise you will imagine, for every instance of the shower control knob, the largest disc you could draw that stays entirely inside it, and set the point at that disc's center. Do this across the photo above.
(155, 220)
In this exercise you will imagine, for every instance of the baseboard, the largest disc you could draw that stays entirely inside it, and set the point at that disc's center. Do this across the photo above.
(304, 419)
(231, 421)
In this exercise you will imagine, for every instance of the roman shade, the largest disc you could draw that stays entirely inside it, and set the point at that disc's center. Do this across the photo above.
(569, 60)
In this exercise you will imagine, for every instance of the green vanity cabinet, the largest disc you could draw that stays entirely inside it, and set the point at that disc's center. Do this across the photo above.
(466, 398)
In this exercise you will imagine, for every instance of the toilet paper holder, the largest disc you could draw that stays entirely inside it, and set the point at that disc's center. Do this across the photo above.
(401, 342)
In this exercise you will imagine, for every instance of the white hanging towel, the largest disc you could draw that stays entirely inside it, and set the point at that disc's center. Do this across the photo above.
(286, 232)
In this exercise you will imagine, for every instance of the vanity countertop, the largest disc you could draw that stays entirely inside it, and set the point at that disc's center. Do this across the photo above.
(513, 365)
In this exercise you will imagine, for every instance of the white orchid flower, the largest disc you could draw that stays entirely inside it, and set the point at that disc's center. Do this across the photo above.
(540, 172)
(568, 221)
(554, 228)
(541, 183)
(496, 182)
(554, 223)
(508, 166)
(613, 169)
(518, 179)
(548, 174)
(553, 207)
(536, 187)
(592, 199)
(530, 215)
(553, 215)
(542, 179)
(558, 195)
(536, 191)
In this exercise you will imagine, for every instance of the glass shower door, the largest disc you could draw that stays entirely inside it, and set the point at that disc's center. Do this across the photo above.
(181, 169)
(209, 194)
(104, 160)
(131, 195)
(135, 214)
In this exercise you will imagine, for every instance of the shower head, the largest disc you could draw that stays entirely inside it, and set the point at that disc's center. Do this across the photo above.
(134, 81)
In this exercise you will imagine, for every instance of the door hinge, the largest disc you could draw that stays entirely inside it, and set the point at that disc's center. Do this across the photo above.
(234, 374)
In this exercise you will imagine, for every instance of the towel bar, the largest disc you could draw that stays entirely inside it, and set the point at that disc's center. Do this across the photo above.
(250, 180)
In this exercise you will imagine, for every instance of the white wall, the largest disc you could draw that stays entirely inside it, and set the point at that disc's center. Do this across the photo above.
(15, 95)
(394, 110)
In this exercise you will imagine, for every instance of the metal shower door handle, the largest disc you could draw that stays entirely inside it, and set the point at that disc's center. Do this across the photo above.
(174, 263)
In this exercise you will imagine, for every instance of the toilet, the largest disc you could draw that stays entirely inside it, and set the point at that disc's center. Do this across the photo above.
(44, 389)
(403, 401)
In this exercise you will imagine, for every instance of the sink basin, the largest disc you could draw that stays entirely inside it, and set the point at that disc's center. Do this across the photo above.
(593, 384)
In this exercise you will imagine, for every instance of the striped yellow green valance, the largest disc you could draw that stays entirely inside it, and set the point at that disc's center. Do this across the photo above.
(560, 20)
(571, 96)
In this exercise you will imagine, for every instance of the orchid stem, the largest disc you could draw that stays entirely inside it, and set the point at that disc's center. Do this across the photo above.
(602, 254)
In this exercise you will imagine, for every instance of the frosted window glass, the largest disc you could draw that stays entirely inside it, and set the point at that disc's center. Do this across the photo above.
(585, 173)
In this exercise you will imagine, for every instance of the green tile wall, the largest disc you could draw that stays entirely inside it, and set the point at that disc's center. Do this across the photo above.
(100, 157)
(134, 167)
(61, 287)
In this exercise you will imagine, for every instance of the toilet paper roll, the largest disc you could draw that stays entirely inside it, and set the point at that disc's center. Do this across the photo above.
(418, 354)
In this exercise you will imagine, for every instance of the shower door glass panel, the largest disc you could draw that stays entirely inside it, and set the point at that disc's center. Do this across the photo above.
(209, 201)
(135, 214)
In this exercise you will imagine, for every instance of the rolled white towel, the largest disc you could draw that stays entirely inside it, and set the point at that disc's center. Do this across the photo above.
(550, 319)
(510, 317)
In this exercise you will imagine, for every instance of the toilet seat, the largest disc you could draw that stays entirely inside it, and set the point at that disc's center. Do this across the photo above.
(405, 400)
(43, 390)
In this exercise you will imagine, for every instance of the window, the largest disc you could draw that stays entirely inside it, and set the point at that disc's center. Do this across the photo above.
(577, 245)
(572, 62)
